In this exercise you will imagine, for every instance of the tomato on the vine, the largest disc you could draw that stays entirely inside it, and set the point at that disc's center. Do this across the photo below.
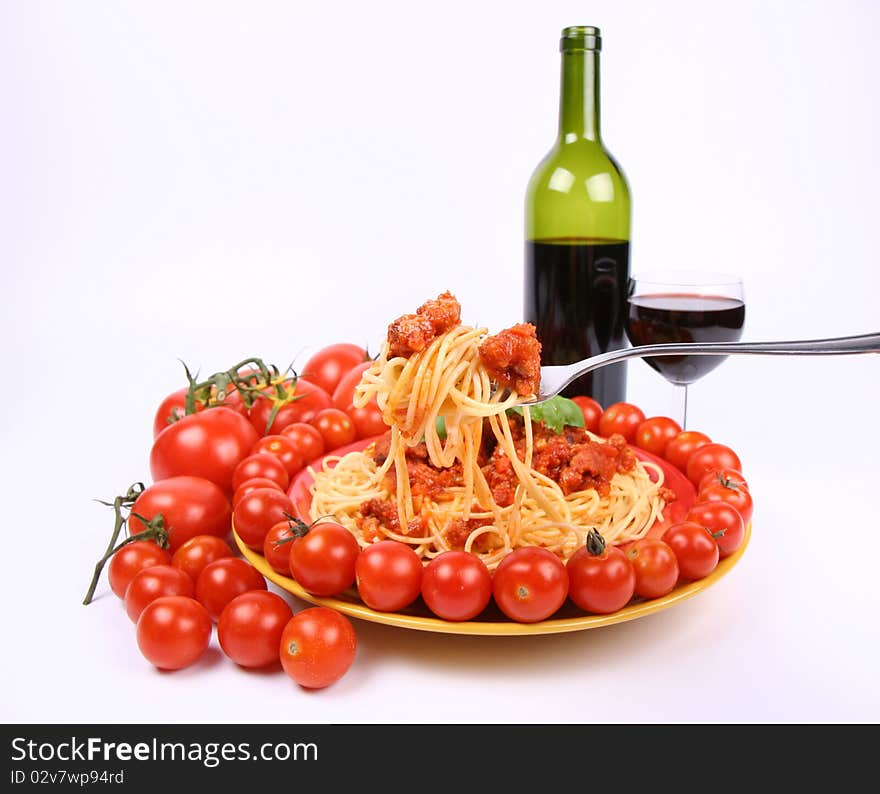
(155, 582)
(724, 523)
(708, 458)
(209, 444)
(622, 418)
(284, 449)
(260, 464)
(335, 427)
(190, 506)
(223, 580)
(456, 585)
(130, 559)
(173, 408)
(173, 632)
(198, 552)
(739, 498)
(389, 575)
(695, 549)
(601, 578)
(655, 565)
(301, 401)
(680, 448)
(591, 410)
(323, 560)
(318, 646)
(276, 546)
(729, 478)
(654, 434)
(530, 584)
(307, 439)
(250, 626)
(258, 512)
(330, 364)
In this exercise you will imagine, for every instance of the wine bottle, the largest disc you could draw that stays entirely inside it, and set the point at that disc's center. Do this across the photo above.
(578, 232)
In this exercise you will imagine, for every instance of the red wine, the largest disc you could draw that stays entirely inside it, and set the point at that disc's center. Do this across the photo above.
(680, 317)
(575, 294)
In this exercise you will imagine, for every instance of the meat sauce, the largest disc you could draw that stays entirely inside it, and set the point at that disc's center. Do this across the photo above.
(412, 333)
(513, 358)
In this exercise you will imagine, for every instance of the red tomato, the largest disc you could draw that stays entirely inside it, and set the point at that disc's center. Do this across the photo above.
(132, 558)
(328, 366)
(190, 506)
(694, 548)
(343, 394)
(282, 448)
(209, 444)
(198, 552)
(253, 484)
(260, 465)
(389, 575)
(302, 402)
(623, 418)
(729, 478)
(318, 647)
(223, 580)
(591, 410)
(278, 554)
(655, 566)
(530, 584)
(739, 498)
(307, 439)
(708, 458)
(654, 434)
(250, 627)
(152, 583)
(173, 408)
(724, 523)
(335, 427)
(258, 512)
(601, 578)
(456, 585)
(173, 632)
(368, 420)
(323, 561)
(680, 448)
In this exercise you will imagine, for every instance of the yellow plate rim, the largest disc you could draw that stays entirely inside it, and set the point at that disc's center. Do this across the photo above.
(357, 609)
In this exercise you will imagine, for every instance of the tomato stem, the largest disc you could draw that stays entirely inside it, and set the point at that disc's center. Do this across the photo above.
(595, 543)
(213, 391)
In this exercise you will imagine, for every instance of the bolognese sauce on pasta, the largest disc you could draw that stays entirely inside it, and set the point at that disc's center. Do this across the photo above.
(459, 470)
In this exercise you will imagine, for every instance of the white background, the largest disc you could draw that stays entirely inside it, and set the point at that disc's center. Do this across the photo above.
(210, 180)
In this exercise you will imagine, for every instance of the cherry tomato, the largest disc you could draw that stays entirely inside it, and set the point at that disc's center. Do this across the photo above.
(724, 523)
(622, 418)
(680, 448)
(601, 578)
(258, 512)
(729, 478)
(307, 439)
(152, 583)
(739, 498)
(223, 580)
(190, 506)
(173, 408)
(260, 465)
(278, 554)
(655, 566)
(335, 426)
(132, 558)
(654, 434)
(343, 394)
(173, 632)
(328, 366)
(254, 484)
(591, 410)
(282, 448)
(389, 575)
(302, 401)
(530, 584)
(250, 627)
(368, 420)
(323, 561)
(708, 458)
(456, 585)
(318, 647)
(209, 444)
(694, 548)
(198, 552)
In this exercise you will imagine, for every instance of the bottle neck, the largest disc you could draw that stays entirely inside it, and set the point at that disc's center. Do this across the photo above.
(579, 96)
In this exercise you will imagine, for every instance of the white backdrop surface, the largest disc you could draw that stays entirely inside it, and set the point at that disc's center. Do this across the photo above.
(206, 181)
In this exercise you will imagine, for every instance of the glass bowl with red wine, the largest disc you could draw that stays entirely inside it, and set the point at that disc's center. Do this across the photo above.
(684, 306)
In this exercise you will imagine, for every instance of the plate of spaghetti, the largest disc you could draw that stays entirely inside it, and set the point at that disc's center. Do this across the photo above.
(464, 467)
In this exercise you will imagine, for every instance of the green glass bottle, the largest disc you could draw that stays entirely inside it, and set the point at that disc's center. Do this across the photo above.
(578, 232)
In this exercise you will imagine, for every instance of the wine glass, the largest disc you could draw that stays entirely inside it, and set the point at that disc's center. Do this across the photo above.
(684, 306)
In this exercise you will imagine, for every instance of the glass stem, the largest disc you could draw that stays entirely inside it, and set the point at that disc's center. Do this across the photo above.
(684, 406)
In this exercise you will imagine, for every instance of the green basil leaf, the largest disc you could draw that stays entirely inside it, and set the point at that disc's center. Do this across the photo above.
(440, 424)
(556, 413)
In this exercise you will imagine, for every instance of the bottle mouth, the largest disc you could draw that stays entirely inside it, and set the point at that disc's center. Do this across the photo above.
(578, 38)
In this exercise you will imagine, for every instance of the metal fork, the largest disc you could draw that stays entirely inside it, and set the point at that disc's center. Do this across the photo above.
(555, 379)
